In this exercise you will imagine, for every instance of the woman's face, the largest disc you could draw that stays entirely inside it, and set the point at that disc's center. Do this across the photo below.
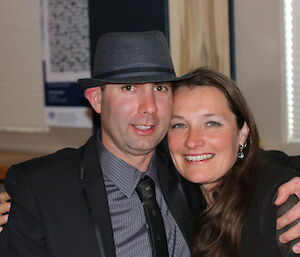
(204, 138)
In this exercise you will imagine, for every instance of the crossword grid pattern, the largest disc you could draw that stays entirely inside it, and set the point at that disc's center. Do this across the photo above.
(68, 35)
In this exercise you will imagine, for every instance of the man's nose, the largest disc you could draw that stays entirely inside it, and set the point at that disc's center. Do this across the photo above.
(148, 103)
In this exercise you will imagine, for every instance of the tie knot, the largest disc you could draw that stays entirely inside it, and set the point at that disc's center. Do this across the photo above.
(146, 189)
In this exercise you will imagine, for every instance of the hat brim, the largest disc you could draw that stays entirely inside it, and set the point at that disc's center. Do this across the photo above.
(94, 82)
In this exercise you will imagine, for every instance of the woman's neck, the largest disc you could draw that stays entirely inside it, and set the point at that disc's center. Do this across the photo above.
(208, 193)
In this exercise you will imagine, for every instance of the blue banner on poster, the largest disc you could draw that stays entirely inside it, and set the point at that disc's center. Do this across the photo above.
(64, 94)
(66, 105)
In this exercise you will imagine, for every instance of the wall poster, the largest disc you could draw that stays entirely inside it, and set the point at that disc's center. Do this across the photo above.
(65, 31)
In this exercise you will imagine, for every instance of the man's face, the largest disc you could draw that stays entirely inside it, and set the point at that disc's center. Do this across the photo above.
(134, 117)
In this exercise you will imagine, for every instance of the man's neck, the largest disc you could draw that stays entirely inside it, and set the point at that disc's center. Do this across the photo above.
(138, 159)
(141, 162)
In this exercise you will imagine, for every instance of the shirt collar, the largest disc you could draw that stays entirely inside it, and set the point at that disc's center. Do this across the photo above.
(122, 174)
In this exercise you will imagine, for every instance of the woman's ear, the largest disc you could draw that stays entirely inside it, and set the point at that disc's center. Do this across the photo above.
(94, 96)
(243, 133)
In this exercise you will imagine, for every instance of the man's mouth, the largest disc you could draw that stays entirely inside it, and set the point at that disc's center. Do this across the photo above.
(199, 157)
(143, 127)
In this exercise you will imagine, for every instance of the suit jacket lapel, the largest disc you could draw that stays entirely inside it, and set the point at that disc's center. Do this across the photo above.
(96, 197)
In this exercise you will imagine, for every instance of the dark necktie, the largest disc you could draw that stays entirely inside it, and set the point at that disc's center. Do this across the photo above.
(146, 192)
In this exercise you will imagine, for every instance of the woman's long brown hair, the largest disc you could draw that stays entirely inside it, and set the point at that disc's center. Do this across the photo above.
(218, 228)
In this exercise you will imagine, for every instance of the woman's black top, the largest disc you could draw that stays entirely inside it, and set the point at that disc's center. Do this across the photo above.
(259, 235)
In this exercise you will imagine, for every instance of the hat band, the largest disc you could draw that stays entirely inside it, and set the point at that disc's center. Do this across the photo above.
(129, 72)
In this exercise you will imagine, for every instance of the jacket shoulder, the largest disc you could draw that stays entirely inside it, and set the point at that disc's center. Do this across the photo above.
(56, 171)
(49, 163)
(270, 177)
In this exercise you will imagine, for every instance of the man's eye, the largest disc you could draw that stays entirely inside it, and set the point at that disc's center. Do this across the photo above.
(177, 125)
(127, 87)
(160, 88)
(213, 124)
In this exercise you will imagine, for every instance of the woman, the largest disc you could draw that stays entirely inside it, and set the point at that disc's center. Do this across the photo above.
(214, 142)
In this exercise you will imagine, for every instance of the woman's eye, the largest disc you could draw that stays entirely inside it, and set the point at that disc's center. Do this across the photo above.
(177, 125)
(213, 124)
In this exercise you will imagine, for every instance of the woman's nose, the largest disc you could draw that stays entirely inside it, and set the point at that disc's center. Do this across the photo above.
(194, 139)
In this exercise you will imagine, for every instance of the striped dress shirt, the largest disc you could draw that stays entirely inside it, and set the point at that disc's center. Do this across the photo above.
(130, 230)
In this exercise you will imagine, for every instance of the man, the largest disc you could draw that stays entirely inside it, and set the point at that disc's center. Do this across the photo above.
(82, 202)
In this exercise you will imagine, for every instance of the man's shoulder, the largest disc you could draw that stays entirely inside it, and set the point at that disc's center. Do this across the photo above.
(61, 157)
(60, 164)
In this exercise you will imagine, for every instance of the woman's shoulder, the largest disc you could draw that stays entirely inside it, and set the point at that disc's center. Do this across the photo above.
(271, 176)
(268, 179)
(260, 237)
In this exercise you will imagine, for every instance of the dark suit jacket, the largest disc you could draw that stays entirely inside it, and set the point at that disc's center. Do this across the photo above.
(281, 159)
(59, 205)
(259, 236)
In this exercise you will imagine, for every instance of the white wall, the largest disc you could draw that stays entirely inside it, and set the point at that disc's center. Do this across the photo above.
(259, 68)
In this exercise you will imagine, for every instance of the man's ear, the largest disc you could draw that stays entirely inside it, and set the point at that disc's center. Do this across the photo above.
(94, 96)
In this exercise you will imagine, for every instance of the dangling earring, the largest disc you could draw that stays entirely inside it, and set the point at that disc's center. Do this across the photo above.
(241, 153)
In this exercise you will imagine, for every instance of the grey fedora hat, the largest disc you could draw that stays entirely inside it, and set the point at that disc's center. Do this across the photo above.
(131, 57)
